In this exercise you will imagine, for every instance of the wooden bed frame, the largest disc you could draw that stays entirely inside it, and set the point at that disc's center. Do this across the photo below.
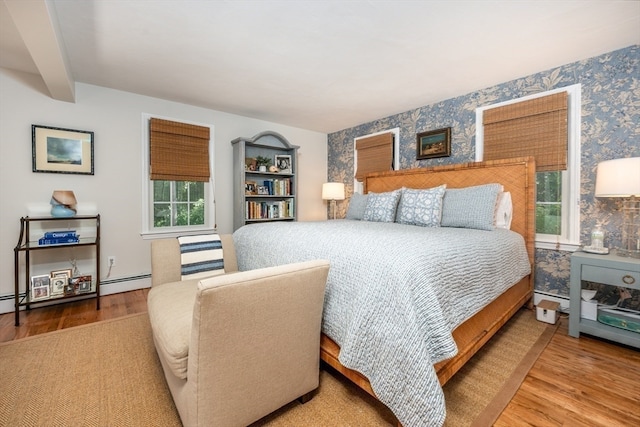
(518, 177)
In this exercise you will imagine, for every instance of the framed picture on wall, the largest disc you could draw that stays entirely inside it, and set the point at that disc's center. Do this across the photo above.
(58, 150)
(435, 143)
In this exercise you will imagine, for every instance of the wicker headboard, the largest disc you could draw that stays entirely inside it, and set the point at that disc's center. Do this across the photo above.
(516, 175)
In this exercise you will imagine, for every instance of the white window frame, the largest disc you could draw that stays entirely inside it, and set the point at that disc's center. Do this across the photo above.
(569, 240)
(358, 187)
(148, 230)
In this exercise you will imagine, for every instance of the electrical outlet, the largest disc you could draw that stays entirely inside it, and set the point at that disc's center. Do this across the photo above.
(111, 261)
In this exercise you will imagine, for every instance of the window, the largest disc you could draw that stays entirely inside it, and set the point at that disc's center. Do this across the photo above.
(374, 153)
(557, 186)
(177, 182)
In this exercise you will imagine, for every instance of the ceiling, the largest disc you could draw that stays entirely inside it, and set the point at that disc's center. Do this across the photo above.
(322, 65)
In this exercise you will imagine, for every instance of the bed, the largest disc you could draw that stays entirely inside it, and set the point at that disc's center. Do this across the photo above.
(401, 319)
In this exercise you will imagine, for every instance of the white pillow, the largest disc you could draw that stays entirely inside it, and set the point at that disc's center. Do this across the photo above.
(504, 211)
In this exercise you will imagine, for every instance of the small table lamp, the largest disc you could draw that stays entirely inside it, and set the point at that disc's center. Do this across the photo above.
(621, 178)
(333, 191)
(63, 204)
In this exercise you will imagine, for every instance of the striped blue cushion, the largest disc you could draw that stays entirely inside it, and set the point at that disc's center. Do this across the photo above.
(201, 256)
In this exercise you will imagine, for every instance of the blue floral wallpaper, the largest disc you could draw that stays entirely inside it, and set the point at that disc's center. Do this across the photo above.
(610, 129)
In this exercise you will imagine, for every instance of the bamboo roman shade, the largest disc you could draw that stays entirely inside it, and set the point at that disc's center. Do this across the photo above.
(375, 154)
(536, 127)
(178, 151)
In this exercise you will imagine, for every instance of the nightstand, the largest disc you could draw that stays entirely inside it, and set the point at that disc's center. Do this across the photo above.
(610, 270)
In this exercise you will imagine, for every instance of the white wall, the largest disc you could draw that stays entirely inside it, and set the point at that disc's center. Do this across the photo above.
(115, 118)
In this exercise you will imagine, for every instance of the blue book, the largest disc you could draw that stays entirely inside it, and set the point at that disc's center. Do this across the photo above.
(60, 241)
(59, 234)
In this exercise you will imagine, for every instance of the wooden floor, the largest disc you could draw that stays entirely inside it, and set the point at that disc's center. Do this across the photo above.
(575, 382)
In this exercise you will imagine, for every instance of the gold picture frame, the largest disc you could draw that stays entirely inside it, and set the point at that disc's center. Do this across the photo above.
(432, 144)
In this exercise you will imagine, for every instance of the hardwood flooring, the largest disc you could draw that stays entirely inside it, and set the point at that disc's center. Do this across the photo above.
(575, 382)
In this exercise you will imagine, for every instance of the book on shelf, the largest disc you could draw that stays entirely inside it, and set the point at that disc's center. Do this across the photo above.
(278, 187)
(269, 210)
(58, 241)
(59, 234)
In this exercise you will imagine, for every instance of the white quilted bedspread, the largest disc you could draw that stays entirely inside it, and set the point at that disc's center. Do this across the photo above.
(394, 295)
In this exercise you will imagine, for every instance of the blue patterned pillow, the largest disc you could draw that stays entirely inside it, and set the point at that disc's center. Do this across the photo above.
(357, 205)
(470, 207)
(381, 207)
(421, 207)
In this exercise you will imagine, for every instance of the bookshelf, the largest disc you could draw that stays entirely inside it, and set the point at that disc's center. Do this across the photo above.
(268, 194)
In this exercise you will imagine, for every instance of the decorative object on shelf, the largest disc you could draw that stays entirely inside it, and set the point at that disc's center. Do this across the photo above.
(621, 178)
(40, 287)
(58, 150)
(333, 191)
(432, 144)
(597, 237)
(59, 279)
(263, 163)
(63, 204)
(274, 169)
(283, 162)
(250, 164)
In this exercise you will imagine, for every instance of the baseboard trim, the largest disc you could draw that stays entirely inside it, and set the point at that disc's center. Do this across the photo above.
(107, 287)
(562, 300)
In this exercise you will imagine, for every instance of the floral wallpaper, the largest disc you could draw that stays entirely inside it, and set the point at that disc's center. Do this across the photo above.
(610, 129)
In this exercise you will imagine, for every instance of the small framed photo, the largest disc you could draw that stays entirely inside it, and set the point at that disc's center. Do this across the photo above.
(58, 150)
(435, 143)
(81, 284)
(59, 279)
(263, 190)
(283, 163)
(250, 188)
(250, 164)
(40, 287)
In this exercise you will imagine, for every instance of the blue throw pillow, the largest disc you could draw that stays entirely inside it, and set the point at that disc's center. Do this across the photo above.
(381, 207)
(470, 207)
(421, 207)
(357, 205)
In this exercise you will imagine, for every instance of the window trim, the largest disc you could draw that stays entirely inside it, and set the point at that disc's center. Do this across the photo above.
(147, 229)
(570, 239)
(358, 187)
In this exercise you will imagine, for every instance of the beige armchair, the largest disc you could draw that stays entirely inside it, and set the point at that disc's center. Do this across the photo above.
(236, 347)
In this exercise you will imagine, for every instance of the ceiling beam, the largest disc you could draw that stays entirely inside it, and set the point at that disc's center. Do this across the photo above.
(37, 24)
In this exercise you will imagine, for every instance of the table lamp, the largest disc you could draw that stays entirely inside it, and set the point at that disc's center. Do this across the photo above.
(333, 191)
(621, 178)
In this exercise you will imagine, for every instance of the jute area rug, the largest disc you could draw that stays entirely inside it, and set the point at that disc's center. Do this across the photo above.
(108, 374)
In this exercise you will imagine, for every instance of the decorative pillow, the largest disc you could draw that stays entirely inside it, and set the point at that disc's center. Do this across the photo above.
(421, 207)
(357, 205)
(381, 207)
(201, 256)
(504, 211)
(470, 207)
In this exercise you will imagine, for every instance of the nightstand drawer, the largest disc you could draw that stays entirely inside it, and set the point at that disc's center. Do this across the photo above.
(610, 276)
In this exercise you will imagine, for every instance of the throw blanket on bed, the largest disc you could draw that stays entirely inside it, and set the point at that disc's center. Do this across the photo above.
(201, 256)
(394, 294)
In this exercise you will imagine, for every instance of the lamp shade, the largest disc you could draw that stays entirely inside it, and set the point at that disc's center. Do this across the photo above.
(618, 178)
(333, 191)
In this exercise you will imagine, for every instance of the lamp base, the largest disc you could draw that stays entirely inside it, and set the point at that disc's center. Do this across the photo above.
(61, 211)
(629, 253)
(630, 229)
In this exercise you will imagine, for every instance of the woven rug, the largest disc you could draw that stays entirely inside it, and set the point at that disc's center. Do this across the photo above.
(108, 373)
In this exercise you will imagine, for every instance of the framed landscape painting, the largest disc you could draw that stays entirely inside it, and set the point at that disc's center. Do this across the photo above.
(435, 143)
(58, 150)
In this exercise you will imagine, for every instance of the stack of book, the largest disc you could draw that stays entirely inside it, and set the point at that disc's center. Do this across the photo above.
(59, 237)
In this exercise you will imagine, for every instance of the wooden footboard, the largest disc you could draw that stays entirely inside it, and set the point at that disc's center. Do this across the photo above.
(469, 336)
(518, 177)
